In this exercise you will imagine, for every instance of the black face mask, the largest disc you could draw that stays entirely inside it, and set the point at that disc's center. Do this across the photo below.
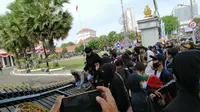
(156, 65)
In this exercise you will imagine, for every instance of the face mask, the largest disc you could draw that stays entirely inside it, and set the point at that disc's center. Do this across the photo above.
(144, 85)
(156, 65)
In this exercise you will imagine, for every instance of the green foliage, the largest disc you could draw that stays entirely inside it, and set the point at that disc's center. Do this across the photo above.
(64, 50)
(67, 44)
(39, 60)
(110, 39)
(198, 23)
(133, 35)
(31, 21)
(171, 23)
(53, 56)
(93, 44)
(22, 60)
(79, 48)
(33, 58)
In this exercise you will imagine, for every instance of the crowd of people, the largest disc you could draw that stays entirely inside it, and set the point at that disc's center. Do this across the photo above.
(161, 78)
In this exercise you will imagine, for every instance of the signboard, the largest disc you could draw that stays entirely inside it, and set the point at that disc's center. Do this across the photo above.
(192, 24)
(118, 45)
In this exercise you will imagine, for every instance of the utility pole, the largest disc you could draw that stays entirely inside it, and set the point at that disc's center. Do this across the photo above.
(191, 8)
(156, 13)
(191, 11)
(124, 20)
(126, 36)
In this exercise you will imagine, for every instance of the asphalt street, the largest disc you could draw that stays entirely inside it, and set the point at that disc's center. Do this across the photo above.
(7, 78)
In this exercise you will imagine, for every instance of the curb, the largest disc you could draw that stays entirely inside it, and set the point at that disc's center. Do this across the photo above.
(17, 74)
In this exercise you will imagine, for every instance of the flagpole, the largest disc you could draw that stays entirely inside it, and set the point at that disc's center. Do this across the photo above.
(80, 24)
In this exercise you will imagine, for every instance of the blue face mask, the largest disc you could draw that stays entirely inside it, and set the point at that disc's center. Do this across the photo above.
(144, 85)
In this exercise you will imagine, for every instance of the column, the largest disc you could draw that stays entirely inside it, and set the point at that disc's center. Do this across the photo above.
(3, 62)
(11, 59)
(8, 61)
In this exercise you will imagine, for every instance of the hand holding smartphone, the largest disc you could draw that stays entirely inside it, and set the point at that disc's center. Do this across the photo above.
(84, 102)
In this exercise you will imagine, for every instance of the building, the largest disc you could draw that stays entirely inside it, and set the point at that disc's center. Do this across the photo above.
(86, 40)
(130, 19)
(6, 59)
(183, 12)
(85, 33)
(71, 48)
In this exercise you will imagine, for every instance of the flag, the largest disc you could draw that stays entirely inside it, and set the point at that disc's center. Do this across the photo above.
(162, 29)
(77, 8)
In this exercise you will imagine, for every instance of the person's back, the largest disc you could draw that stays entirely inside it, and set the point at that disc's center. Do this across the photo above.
(119, 92)
(184, 102)
(139, 98)
(186, 69)
(115, 83)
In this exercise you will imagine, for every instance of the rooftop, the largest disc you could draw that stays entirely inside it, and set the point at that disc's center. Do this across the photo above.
(85, 30)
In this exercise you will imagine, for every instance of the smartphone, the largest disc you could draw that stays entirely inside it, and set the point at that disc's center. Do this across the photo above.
(84, 102)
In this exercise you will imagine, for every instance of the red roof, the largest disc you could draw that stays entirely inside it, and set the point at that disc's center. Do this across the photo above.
(59, 50)
(71, 48)
(85, 30)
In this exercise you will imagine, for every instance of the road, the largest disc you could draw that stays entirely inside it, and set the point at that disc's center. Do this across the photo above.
(7, 78)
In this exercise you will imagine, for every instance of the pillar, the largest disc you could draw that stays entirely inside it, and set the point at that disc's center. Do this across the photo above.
(11, 59)
(149, 31)
(3, 62)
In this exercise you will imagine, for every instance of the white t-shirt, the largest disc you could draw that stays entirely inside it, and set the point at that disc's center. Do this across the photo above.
(149, 53)
(158, 74)
(149, 70)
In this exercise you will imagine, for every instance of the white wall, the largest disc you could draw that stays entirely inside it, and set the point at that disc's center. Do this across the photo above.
(85, 35)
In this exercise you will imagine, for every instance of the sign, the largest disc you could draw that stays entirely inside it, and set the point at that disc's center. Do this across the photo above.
(192, 24)
(118, 45)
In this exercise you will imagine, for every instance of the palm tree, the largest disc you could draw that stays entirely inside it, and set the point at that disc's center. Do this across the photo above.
(42, 20)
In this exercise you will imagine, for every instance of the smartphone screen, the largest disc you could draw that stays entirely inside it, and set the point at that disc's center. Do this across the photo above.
(84, 102)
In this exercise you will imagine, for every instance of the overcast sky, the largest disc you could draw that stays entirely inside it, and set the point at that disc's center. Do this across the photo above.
(103, 15)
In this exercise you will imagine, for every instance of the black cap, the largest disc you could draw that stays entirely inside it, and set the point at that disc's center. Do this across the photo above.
(88, 50)
(159, 57)
(140, 67)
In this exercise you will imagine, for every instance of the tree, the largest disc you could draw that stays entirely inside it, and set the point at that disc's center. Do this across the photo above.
(93, 44)
(67, 44)
(79, 48)
(171, 23)
(64, 50)
(198, 23)
(42, 20)
(112, 38)
(103, 41)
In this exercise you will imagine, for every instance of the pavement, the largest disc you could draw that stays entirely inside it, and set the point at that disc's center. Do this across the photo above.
(7, 78)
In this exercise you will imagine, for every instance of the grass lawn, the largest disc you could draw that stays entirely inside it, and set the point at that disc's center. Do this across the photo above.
(70, 64)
